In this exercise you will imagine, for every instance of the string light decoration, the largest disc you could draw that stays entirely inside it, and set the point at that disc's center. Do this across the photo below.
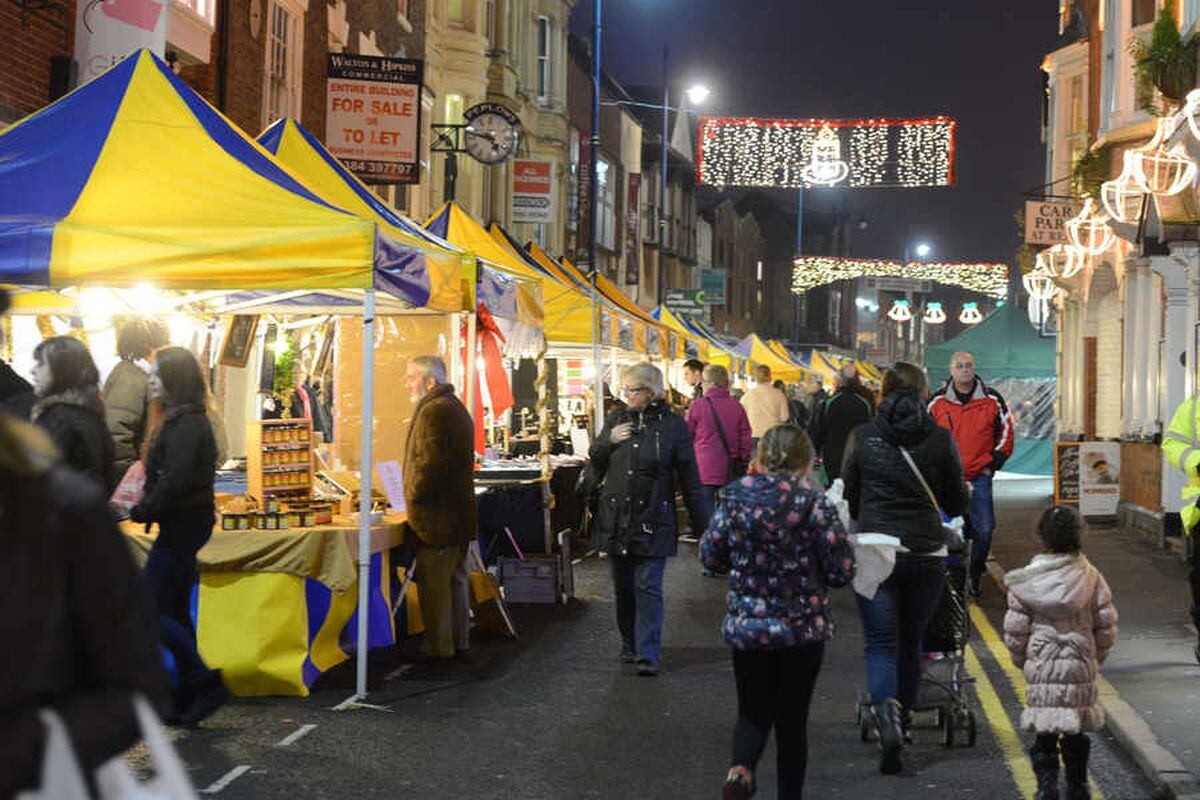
(826, 167)
(900, 311)
(1061, 260)
(780, 153)
(934, 315)
(1159, 168)
(1039, 283)
(1190, 106)
(1122, 197)
(970, 314)
(1090, 231)
(809, 272)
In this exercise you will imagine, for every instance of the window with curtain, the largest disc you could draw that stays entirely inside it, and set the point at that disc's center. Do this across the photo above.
(606, 190)
(1144, 12)
(456, 11)
(545, 40)
(281, 97)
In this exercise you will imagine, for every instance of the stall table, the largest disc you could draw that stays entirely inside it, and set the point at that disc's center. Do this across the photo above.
(274, 610)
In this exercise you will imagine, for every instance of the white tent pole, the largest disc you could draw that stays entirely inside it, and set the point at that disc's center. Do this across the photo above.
(366, 469)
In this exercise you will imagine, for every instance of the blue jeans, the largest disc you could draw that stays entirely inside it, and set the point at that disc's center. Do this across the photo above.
(981, 522)
(894, 623)
(171, 573)
(638, 581)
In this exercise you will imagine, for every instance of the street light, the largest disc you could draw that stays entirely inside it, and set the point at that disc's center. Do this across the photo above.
(697, 94)
(923, 250)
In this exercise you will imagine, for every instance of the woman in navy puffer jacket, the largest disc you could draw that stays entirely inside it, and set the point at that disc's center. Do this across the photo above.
(783, 545)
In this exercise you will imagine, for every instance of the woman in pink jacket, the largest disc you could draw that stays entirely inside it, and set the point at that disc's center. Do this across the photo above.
(1060, 625)
(720, 432)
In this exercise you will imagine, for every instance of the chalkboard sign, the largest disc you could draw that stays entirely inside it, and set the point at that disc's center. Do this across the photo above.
(239, 337)
(1066, 473)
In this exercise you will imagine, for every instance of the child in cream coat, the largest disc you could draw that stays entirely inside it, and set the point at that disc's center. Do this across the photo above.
(1060, 626)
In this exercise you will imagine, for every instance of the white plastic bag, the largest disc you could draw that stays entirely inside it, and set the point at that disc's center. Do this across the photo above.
(62, 777)
(875, 558)
(836, 495)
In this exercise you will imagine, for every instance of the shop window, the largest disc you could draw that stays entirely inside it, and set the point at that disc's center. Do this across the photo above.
(205, 9)
(544, 73)
(283, 62)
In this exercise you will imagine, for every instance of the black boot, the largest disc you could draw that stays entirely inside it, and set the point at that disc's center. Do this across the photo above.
(1045, 767)
(1075, 751)
(890, 730)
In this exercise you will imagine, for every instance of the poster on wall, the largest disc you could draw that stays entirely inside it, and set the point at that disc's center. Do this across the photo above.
(107, 32)
(373, 116)
(1099, 478)
(1066, 473)
(533, 191)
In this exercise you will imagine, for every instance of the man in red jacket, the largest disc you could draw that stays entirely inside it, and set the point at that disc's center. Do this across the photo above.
(978, 418)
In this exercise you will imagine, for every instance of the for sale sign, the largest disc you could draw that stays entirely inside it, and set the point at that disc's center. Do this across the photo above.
(533, 191)
(373, 116)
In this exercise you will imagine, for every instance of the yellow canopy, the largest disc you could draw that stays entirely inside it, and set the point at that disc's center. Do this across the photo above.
(704, 351)
(759, 352)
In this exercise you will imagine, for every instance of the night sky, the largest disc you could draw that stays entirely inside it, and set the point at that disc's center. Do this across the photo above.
(978, 62)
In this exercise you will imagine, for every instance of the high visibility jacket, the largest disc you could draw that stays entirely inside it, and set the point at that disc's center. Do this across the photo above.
(1181, 446)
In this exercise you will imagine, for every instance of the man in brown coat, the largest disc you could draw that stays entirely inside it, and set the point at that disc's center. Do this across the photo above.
(439, 490)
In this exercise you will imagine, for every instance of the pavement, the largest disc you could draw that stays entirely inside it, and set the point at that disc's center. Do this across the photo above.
(1151, 681)
(555, 715)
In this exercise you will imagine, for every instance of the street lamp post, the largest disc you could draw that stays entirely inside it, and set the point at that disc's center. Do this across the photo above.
(593, 216)
(662, 183)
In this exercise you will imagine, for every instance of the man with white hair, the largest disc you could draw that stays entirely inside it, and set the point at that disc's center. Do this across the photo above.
(643, 451)
(978, 419)
(765, 405)
(439, 491)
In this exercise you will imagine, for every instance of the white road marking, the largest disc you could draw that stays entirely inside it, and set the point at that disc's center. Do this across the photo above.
(226, 779)
(296, 736)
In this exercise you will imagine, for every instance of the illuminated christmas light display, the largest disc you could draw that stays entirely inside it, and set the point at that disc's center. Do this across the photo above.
(970, 315)
(1061, 260)
(1122, 197)
(934, 315)
(826, 167)
(900, 311)
(1190, 106)
(1090, 231)
(1040, 284)
(795, 153)
(1159, 168)
(809, 272)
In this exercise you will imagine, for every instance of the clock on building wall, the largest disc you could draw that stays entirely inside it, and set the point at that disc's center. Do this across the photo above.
(492, 133)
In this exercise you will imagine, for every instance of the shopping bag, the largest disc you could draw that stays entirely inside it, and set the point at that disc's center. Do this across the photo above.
(62, 778)
(874, 559)
(115, 781)
(131, 488)
(836, 495)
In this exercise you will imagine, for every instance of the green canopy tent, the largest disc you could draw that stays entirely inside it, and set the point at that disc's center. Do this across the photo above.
(1015, 360)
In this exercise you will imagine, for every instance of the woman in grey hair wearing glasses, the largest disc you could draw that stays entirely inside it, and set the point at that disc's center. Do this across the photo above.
(643, 451)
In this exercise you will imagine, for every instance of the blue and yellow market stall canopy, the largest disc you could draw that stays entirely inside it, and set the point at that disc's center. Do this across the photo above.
(133, 178)
(306, 158)
(754, 349)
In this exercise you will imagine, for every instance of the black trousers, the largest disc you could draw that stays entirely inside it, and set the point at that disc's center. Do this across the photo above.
(1194, 576)
(1047, 743)
(774, 690)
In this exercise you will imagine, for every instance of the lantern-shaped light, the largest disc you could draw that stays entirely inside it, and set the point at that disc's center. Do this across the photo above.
(1090, 231)
(1160, 168)
(826, 167)
(900, 311)
(1038, 310)
(1122, 197)
(1063, 260)
(1190, 106)
(970, 314)
(934, 315)
(1039, 284)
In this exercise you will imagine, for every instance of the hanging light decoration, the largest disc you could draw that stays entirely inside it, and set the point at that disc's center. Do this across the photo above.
(1039, 284)
(1160, 168)
(900, 311)
(934, 315)
(1122, 197)
(971, 314)
(1090, 231)
(1062, 260)
(826, 167)
(1190, 105)
(1038, 310)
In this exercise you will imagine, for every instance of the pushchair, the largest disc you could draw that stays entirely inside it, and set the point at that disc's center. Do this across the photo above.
(944, 682)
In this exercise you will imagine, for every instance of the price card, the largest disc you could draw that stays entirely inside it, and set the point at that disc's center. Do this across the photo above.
(393, 485)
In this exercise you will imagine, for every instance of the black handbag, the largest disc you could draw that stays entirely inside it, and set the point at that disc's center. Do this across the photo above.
(737, 468)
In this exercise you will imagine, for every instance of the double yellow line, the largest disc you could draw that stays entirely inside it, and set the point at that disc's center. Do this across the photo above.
(1010, 743)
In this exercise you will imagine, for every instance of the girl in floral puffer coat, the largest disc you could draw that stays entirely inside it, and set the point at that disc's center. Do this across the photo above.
(783, 545)
(1060, 626)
